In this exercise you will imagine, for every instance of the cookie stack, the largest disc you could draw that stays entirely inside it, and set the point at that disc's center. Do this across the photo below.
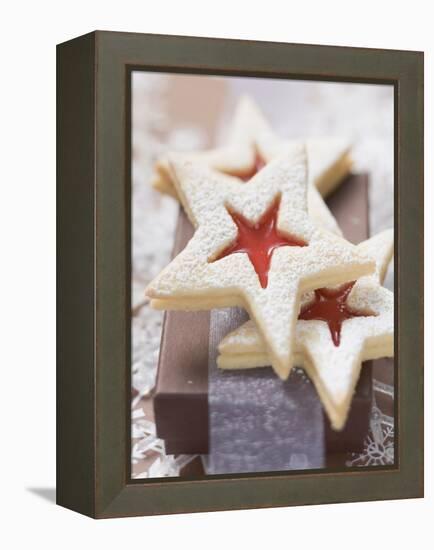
(265, 241)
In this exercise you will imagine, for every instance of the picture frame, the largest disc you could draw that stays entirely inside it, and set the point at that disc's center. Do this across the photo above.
(94, 272)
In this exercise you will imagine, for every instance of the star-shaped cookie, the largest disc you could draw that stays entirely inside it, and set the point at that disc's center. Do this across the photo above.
(301, 256)
(252, 144)
(336, 331)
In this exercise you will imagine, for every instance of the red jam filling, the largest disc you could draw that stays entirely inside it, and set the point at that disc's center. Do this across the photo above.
(331, 307)
(258, 163)
(259, 240)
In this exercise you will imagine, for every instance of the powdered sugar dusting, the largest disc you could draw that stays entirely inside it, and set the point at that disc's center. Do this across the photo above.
(327, 259)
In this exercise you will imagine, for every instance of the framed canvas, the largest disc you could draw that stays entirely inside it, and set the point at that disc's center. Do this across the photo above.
(232, 329)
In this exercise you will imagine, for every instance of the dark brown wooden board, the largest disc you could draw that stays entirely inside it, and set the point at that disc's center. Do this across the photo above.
(181, 396)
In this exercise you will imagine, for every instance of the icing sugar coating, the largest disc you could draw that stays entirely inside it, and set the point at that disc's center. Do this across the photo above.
(258, 163)
(207, 198)
(252, 143)
(333, 369)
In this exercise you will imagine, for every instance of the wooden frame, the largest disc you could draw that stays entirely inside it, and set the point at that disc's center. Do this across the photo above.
(93, 171)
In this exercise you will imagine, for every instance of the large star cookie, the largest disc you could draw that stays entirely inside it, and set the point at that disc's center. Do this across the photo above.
(255, 247)
(252, 143)
(337, 330)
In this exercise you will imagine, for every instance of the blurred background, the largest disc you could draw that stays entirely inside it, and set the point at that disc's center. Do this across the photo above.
(189, 112)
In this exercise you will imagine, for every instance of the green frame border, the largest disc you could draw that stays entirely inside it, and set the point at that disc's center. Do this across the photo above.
(93, 173)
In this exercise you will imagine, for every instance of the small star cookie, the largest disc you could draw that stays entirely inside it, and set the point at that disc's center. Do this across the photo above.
(255, 247)
(337, 329)
(252, 144)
